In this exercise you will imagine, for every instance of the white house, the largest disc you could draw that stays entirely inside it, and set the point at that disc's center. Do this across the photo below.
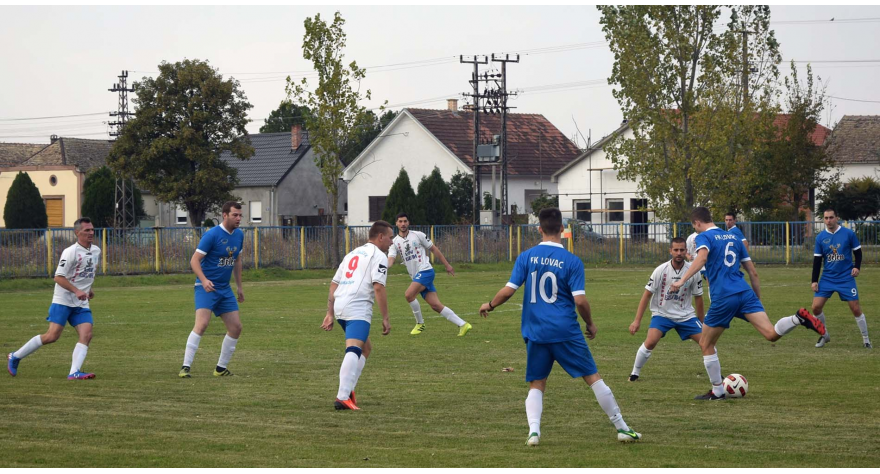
(419, 140)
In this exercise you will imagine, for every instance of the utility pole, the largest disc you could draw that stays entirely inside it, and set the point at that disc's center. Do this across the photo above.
(504, 95)
(745, 66)
(475, 83)
(124, 215)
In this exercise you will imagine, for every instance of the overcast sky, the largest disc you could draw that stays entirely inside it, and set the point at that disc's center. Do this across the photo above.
(60, 61)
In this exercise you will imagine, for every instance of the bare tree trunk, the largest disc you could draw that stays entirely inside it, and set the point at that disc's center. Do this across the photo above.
(334, 236)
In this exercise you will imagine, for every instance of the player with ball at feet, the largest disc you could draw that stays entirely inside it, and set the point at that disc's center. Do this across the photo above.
(722, 253)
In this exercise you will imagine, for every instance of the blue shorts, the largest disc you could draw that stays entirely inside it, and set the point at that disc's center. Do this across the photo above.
(355, 329)
(60, 314)
(685, 329)
(574, 356)
(847, 291)
(219, 301)
(723, 310)
(426, 279)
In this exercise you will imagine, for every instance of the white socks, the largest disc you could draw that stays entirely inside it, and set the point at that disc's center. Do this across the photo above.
(863, 327)
(641, 358)
(28, 348)
(785, 325)
(348, 372)
(362, 361)
(713, 368)
(821, 317)
(417, 311)
(79, 356)
(534, 408)
(192, 345)
(452, 317)
(226, 351)
(609, 404)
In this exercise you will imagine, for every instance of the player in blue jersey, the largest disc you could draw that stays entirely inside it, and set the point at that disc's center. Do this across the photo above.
(730, 222)
(214, 261)
(722, 253)
(554, 294)
(835, 246)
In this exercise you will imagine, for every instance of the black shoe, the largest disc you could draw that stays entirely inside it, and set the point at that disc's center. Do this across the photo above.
(708, 396)
(633, 377)
(868, 345)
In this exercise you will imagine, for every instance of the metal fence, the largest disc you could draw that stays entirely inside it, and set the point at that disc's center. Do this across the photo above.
(35, 252)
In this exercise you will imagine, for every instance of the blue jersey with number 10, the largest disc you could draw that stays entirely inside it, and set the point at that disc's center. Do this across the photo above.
(726, 252)
(552, 277)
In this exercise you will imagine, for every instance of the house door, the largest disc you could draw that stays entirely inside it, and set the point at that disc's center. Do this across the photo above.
(55, 211)
(639, 219)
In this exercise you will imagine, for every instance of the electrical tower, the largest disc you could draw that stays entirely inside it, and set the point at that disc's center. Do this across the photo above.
(475, 83)
(124, 215)
(503, 94)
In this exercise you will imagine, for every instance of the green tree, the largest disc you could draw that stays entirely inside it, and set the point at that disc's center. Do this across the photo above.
(858, 199)
(543, 202)
(402, 198)
(461, 190)
(487, 202)
(24, 207)
(678, 80)
(284, 117)
(99, 197)
(184, 119)
(434, 199)
(368, 128)
(335, 105)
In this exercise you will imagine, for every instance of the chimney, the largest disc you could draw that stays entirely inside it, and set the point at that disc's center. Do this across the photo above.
(452, 104)
(53, 139)
(295, 136)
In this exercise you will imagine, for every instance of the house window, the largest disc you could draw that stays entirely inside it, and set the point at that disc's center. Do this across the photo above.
(582, 211)
(256, 211)
(614, 205)
(181, 216)
(377, 205)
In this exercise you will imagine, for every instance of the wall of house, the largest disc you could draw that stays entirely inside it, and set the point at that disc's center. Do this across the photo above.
(68, 187)
(406, 145)
(849, 171)
(302, 193)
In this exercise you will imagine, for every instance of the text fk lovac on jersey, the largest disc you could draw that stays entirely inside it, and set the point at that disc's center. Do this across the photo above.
(78, 264)
(353, 298)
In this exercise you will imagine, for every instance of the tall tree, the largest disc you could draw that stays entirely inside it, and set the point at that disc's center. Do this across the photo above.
(184, 119)
(461, 189)
(435, 200)
(99, 197)
(335, 105)
(365, 131)
(695, 107)
(285, 117)
(24, 207)
(402, 198)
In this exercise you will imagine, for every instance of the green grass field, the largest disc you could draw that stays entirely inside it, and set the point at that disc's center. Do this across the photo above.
(428, 401)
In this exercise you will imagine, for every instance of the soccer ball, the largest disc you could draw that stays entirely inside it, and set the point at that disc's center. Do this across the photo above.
(735, 386)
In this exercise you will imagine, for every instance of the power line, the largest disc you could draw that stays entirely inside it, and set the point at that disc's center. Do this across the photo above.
(51, 117)
(855, 100)
(826, 21)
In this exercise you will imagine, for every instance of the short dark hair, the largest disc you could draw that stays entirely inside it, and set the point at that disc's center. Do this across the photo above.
(402, 214)
(551, 220)
(731, 215)
(830, 209)
(678, 240)
(701, 214)
(378, 228)
(227, 207)
(81, 220)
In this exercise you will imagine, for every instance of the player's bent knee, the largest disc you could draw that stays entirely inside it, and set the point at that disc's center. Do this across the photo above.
(437, 307)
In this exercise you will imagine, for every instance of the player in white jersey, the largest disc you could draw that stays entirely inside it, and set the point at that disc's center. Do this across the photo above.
(413, 247)
(669, 310)
(359, 280)
(70, 303)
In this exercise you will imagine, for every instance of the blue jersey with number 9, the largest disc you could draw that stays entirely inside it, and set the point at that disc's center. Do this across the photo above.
(551, 277)
(726, 252)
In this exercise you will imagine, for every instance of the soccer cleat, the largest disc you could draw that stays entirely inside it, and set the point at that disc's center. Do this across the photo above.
(709, 396)
(825, 339)
(345, 404)
(12, 364)
(533, 440)
(80, 376)
(633, 378)
(223, 373)
(810, 322)
(418, 329)
(867, 346)
(628, 436)
(464, 329)
(184, 372)
(351, 397)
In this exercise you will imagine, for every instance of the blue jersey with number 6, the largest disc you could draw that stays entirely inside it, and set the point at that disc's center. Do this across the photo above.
(726, 252)
(551, 277)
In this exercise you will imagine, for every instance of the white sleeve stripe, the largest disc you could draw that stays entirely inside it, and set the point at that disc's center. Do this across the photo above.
(201, 252)
(745, 259)
(511, 285)
(817, 254)
(857, 248)
(578, 293)
(704, 246)
(379, 282)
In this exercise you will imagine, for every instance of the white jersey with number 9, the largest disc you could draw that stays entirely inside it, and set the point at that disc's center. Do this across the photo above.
(355, 276)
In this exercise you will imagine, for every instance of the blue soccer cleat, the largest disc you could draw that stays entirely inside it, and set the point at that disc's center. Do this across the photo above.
(12, 364)
(80, 376)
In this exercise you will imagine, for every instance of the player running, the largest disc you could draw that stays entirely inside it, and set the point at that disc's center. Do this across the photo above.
(213, 262)
(359, 280)
(836, 245)
(70, 303)
(722, 253)
(554, 288)
(413, 247)
(669, 310)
